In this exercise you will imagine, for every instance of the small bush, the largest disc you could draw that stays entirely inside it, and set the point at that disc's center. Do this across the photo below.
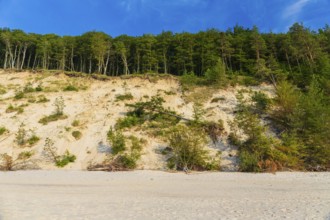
(25, 155)
(128, 122)
(75, 123)
(217, 99)
(188, 150)
(42, 99)
(17, 109)
(117, 141)
(261, 101)
(28, 88)
(71, 88)
(126, 96)
(39, 88)
(7, 162)
(50, 118)
(77, 134)
(19, 95)
(65, 159)
(2, 130)
(33, 140)
(21, 135)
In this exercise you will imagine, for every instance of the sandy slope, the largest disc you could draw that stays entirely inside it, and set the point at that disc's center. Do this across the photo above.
(96, 109)
(160, 195)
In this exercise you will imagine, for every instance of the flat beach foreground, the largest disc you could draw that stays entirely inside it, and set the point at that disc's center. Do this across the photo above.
(161, 195)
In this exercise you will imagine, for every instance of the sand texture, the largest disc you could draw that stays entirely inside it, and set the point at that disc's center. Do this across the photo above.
(161, 195)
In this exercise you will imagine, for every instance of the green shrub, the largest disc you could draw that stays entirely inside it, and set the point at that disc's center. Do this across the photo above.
(21, 135)
(42, 99)
(248, 161)
(217, 74)
(127, 122)
(2, 130)
(217, 99)
(39, 88)
(188, 149)
(126, 96)
(25, 155)
(77, 134)
(75, 123)
(50, 118)
(19, 95)
(33, 140)
(261, 100)
(18, 109)
(117, 141)
(71, 88)
(28, 88)
(65, 159)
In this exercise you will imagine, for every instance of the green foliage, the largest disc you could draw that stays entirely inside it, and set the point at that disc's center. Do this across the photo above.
(189, 79)
(77, 134)
(2, 130)
(75, 123)
(117, 141)
(70, 88)
(217, 99)
(65, 159)
(216, 75)
(126, 96)
(261, 102)
(50, 118)
(25, 155)
(21, 135)
(188, 149)
(128, 122)
(19, 95)
(42, 99)
(33, 140)
(18, 109)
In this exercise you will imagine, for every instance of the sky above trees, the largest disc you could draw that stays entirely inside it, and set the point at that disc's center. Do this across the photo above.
(137, 17)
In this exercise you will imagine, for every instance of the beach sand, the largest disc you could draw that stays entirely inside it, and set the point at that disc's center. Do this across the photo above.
(161, 195)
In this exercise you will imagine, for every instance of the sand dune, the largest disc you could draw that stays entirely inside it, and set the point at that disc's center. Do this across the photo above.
(160, 195)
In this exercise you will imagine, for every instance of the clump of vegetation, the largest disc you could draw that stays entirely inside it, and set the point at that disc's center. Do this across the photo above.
(126, 151)
(65, 159)
(28, 88)
(70, 88)
(117, 141)
(50, 151)
(76, 134)
(57, 114)
(8, 163)
(42, 99)
(217, 99)
(216, 75)
(258, 151)
(19, 94)
(26, 137)
(75, 123)
(188, 150)
(18, 109)
(2, 130)
(261, 102)
(2, 90)
(126, 96)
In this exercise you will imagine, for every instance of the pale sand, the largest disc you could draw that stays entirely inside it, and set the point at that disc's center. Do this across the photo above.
(160, 195)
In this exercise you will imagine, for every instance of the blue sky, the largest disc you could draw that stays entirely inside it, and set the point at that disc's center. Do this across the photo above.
(136, 17)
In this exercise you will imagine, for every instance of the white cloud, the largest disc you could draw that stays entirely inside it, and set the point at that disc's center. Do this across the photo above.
(295, 8)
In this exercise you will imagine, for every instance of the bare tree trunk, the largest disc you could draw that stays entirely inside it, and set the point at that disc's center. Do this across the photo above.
(24, 54)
